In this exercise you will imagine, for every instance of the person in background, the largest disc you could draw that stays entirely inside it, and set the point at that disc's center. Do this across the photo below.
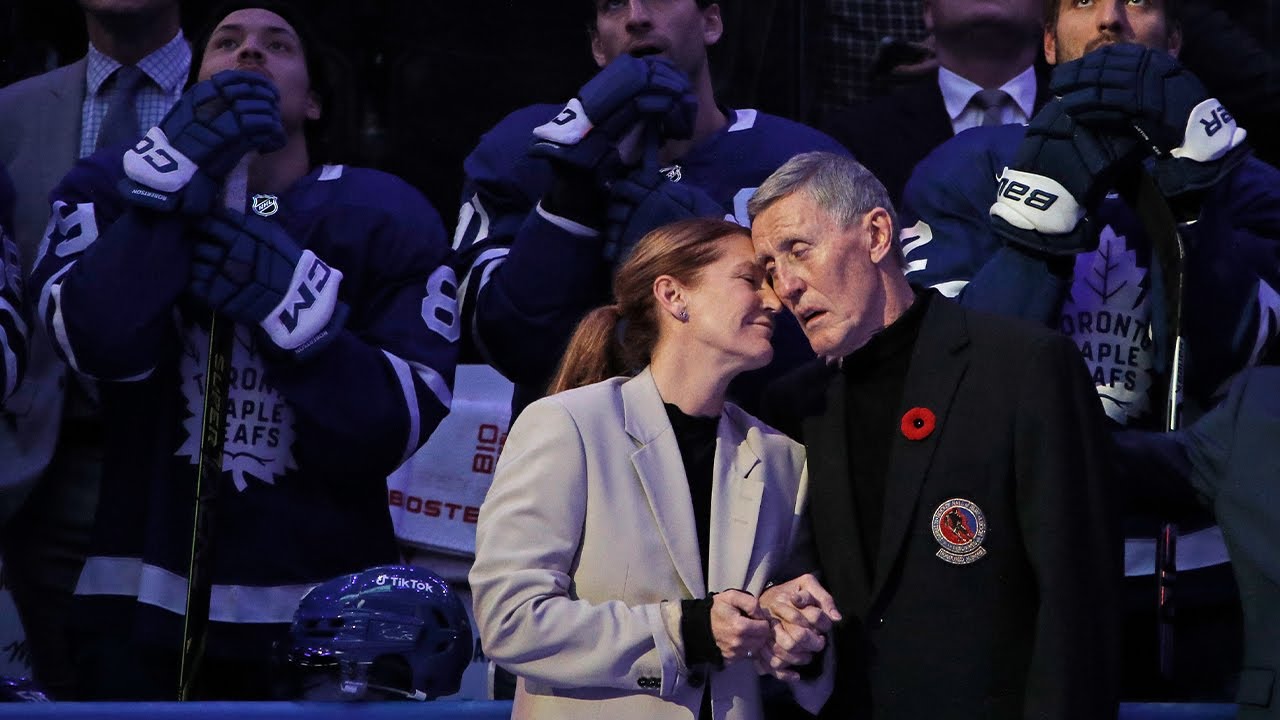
(334, 285)
(544, 223)
(986, 75)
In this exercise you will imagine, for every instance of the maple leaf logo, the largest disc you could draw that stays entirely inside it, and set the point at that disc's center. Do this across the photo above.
(1108, 315)
(260, 424)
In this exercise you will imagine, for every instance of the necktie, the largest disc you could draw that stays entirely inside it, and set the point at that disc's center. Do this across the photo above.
(120, 124)
(991, 103)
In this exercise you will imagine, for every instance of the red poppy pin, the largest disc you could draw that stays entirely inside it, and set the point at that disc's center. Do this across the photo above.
(918, 423)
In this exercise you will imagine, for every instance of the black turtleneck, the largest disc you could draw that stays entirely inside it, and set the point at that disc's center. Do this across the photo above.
(696, 437)
(874, 377)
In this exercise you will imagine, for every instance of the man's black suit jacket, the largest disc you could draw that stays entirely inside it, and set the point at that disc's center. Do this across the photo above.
(890, 134)
(1029, 629)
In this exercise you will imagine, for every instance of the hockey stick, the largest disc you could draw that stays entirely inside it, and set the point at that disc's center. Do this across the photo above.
(213, 435)
(1169, 250)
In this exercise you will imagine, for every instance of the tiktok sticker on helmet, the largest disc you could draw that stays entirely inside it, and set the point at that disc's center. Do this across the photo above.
(960, 526)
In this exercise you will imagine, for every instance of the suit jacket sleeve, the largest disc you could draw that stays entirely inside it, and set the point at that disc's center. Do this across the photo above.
(527, 542)
(1070, 525)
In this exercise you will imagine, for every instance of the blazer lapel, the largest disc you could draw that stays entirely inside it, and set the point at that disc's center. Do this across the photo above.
(937, 365)
(736, 490)
(932, 125)
(831, 500)
(61, 107)
(661, 472)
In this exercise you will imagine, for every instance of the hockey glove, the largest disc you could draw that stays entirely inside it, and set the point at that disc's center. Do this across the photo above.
(251, 271)
(1127, 88)
(180, 164)
(602, 131)
(646, 199)
(1059, 174)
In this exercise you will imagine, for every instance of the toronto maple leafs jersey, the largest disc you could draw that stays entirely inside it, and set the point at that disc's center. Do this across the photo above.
(533, 277)
(302, 496)
(13, 325)
(1114, 303)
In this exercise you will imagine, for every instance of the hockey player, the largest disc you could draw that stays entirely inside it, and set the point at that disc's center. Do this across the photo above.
(1056, 246)
(13, 325)
(544, 225)
(345, 328)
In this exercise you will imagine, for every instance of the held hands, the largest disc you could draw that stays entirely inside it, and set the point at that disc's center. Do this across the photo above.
(739, 626)
(630, 103)
(801, 613)
(180, 165)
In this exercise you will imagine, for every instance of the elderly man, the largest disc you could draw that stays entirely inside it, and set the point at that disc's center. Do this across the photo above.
(959, 506)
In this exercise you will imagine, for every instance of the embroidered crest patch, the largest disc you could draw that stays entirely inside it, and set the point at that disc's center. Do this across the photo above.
(959, 526)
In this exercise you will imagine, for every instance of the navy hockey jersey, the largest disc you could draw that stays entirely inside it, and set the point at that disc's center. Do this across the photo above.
(1113, 308)
(532, 276)
(13, 325)
(308, 444)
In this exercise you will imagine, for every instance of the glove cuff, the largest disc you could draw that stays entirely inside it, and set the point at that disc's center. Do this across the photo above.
(567, 128)
(1035, 202)
(157, 164)
(1080, 239)
(1180, 176)
(308, 316)
(1211, 133)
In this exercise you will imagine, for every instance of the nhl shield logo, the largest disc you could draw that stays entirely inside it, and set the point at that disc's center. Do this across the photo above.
(959, 526)
(265, 205)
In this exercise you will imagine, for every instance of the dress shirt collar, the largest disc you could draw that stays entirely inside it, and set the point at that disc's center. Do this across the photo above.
(166, 66)
(958, 91)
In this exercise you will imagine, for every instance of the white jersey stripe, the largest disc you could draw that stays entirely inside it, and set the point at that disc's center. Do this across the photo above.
(435, 381)
(405, 376)
(1268, 319)
(1202, 548)
(951, 288)
(130, 577)
(59, 327)
(19, 323)
(10, 366)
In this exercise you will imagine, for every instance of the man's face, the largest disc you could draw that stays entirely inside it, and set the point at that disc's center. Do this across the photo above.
(260, 41)
(956, 15)
(1086, 25)
(826, 274)
(677, 29)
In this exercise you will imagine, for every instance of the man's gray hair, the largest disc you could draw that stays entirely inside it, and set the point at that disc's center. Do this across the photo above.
(839, 185)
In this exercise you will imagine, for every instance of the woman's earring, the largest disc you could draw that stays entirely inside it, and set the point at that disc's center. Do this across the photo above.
(683, 315)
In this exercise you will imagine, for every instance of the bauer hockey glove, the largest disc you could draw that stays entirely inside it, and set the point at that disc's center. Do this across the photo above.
(251, 271)
(1059, 174)
(644, 200)
(602, 130)
(179, 165)
(1131, 89)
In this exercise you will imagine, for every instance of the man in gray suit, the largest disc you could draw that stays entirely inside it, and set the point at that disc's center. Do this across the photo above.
(50, 444)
